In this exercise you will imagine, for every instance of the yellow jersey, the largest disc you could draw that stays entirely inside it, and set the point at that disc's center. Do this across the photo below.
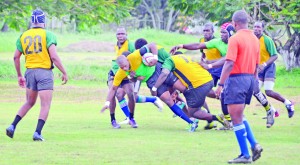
(211, 54)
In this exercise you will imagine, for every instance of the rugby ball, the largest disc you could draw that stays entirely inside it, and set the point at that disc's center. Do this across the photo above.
(149, 59)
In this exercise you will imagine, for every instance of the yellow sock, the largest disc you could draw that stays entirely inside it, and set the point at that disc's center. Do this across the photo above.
(227, 117)
(267, 107)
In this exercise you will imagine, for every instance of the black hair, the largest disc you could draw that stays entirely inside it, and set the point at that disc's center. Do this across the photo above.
(140, 43)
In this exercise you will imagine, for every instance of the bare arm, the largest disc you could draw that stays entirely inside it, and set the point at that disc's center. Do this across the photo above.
(225, 74)
(153, 48)
(21, 79)
(270, 61)
(193, 46)
(111, 94)
(161, 79)
(57, 62)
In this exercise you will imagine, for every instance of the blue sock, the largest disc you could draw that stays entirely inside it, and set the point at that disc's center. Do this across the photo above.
(250, 135)
(180, 113)
(144, 99)
(240, 133)
(124, 106)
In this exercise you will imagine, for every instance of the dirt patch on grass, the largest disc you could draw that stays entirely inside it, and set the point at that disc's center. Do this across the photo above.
(89, 46)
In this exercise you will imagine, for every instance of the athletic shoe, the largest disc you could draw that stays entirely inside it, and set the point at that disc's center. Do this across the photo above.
(193, 127)
(115, 125)
(241, 159)
(270, 118)
(223, 121)
(37, 137)
(158, 104)
(133, 123)
(256, 152)
(230, 128)
(126, 121)
(10, 131)
(210, 125)
(290, 108)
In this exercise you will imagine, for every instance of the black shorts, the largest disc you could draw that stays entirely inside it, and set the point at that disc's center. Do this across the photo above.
(169, 82)
(195, 97)
(111, 75)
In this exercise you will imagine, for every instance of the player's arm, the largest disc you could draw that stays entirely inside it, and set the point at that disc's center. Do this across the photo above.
(57, 62)
(21, 79)
(193, 46)
(167, 67)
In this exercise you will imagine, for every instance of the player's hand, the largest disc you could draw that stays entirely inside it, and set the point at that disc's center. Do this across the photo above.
(260, 68)
(132, 74)
(21, 82)
(204, 65)
(64, 79)
(218, 92)
(174, 49)
(140, 78)
(106, 106)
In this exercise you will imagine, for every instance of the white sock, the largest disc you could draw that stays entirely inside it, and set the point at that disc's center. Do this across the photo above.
(287, 102)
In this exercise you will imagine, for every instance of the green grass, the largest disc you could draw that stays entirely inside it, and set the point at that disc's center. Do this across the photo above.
(8, 40)
(76, 133)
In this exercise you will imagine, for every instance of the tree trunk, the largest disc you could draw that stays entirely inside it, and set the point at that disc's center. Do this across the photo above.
(4, 27)
(291, 52)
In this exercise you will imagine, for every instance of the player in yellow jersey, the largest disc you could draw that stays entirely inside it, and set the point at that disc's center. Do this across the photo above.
(39, 48)
(267, 68)
(197, 83)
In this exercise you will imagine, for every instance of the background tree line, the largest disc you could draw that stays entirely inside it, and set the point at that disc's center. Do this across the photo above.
(281, 16)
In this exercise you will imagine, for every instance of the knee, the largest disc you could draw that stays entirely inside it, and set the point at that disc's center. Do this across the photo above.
(31, 103)
(269, 93)
(120, 95)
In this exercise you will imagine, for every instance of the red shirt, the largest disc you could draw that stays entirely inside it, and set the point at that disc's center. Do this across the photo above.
(244, 51)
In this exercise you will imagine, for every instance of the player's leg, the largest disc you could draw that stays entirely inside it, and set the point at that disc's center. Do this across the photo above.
(146, 99)
(128, 88)
(112, 105)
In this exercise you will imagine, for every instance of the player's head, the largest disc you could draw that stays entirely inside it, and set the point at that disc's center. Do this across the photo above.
(140, 43)
(208, 31)
(123, 63)
(227, 30)
(258, 28)
(121, 35)
(240, 19)
(38, 17)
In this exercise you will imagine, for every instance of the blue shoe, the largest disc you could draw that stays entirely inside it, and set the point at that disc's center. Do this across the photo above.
(133, 123)
(193, 127)
(115, 125)
(291, 109)
(37, 137)
(10, 131)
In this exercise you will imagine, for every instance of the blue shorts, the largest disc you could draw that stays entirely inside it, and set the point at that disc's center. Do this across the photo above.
(215, 74)
(268, 72)
(169, 82)
(111, 75)
(39, 79)
(195, 97)
(238, 89)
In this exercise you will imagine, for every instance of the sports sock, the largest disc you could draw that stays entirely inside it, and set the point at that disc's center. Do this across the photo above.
(144, 99)
(262, 99)
(180, 113)
(131, 115)
(124, 106)
(250, 135)
(224, 108)
(112, 117)
(287, 102)
(240, 133)
(40, 126)
(16, 120)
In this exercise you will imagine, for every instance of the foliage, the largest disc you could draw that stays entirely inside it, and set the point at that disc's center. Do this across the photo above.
(84, 12)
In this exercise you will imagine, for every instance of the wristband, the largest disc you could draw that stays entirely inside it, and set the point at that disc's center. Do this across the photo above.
(154, 89)
(264, 64)
(107, 103)
(209, 66)
(221, 85)
(129, 77)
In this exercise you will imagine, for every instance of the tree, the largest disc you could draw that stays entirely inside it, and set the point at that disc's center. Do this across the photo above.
(84, 12)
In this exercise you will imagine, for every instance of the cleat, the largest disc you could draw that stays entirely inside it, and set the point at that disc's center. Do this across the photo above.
(270, 118)
(133, 123)
(210, 125)
(10, 131)
(223, 121)
(230, 128)
(126, 121)
(37, 137)
(115, 125)
(241, 159)
(290, 108)
(256, 152)
(193, 126)
(158, 104)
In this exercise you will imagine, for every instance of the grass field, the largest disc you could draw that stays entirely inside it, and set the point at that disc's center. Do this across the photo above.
(76, 133)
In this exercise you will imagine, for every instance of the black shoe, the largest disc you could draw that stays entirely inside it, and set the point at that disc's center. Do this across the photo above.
(256, 152)
(10, 131)
(241, 159)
